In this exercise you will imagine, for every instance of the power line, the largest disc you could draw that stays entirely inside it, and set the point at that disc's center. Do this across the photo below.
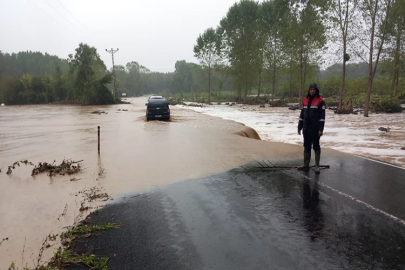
(59, 13)
(72, 14)
(53, 18)
(84, 27)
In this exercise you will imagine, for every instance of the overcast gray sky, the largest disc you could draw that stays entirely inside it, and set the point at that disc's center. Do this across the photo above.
(154, 33)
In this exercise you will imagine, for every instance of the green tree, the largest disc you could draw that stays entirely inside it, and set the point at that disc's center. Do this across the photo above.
(240, 43)
(305, 35)
(49, 93)
(99, 93)
(374, 28)
(207, 51)
(38, 90)
(331, 86)
(27, 94)
(133, 82)
(60, 81)
(182, 78)
(395, 40)
(90, 76)
(273, 17)
(11, 88)
(342, 14)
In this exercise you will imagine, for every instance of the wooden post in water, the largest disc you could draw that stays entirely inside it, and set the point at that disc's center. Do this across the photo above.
(98, 138)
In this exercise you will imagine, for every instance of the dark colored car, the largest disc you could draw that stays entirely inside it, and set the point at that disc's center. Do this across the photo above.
(157, 108)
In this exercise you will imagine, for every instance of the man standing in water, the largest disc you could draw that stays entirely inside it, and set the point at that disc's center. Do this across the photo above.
(312, 121)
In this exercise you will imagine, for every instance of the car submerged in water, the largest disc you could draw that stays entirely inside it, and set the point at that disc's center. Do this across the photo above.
(157, 108)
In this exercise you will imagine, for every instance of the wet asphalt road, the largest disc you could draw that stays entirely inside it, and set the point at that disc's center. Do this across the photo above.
(349, 217)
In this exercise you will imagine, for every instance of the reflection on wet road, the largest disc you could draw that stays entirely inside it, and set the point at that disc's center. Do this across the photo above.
(250, 218)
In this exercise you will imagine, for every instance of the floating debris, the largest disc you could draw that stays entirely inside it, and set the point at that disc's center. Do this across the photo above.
(94, 194)
(98, 112)
(83, 208)
(66, 167)
(122, 110)
(4, 239)
(387, 129)
(64, 211)
(345, 109)
(17, 163)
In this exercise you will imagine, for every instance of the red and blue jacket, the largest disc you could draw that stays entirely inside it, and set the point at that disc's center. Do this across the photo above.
(312, 117)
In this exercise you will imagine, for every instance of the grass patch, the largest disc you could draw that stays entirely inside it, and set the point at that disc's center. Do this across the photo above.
(84, 230)
(64, 257)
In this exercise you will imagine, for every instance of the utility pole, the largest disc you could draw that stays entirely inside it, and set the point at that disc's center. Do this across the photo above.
(112, 51)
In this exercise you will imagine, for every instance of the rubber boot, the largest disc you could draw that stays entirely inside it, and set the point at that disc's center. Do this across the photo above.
(307, 159)
(317, 158)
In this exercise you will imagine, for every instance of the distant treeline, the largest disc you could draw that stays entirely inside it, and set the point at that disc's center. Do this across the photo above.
(35, 78)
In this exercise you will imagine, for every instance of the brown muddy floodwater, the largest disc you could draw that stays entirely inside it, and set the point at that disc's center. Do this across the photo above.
(135, 155)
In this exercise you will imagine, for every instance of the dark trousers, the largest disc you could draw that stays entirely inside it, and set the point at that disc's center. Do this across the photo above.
(311, 139)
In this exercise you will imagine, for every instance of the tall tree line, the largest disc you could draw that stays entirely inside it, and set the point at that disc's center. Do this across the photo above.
(282, 43)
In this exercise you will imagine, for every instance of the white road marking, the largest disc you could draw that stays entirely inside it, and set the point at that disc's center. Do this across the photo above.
(359, 201)
(385, 163)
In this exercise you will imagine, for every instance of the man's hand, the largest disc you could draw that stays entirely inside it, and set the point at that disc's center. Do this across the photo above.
(299, 132)
(320, 133)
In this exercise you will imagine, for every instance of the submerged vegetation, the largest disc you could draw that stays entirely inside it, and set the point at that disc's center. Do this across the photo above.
(66, 167)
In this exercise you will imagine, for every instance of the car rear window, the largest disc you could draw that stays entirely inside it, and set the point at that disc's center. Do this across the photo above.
(157, 103)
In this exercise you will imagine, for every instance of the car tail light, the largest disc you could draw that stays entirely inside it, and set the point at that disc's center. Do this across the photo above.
(168, 110)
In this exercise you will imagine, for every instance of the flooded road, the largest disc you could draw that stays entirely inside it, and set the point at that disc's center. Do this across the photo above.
(135, 155)
(347, 205)
(348, 217)
(349, 133)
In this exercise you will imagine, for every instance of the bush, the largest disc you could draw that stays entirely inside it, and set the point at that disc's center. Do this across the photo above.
(98, 92)
(166, 93)
(255, 100)
(331, 102)
(385, 104)
(176, 101)
(278, 103)
(295, 99)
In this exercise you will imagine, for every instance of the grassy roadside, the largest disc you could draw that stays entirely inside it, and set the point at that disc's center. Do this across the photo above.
(64, 256)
